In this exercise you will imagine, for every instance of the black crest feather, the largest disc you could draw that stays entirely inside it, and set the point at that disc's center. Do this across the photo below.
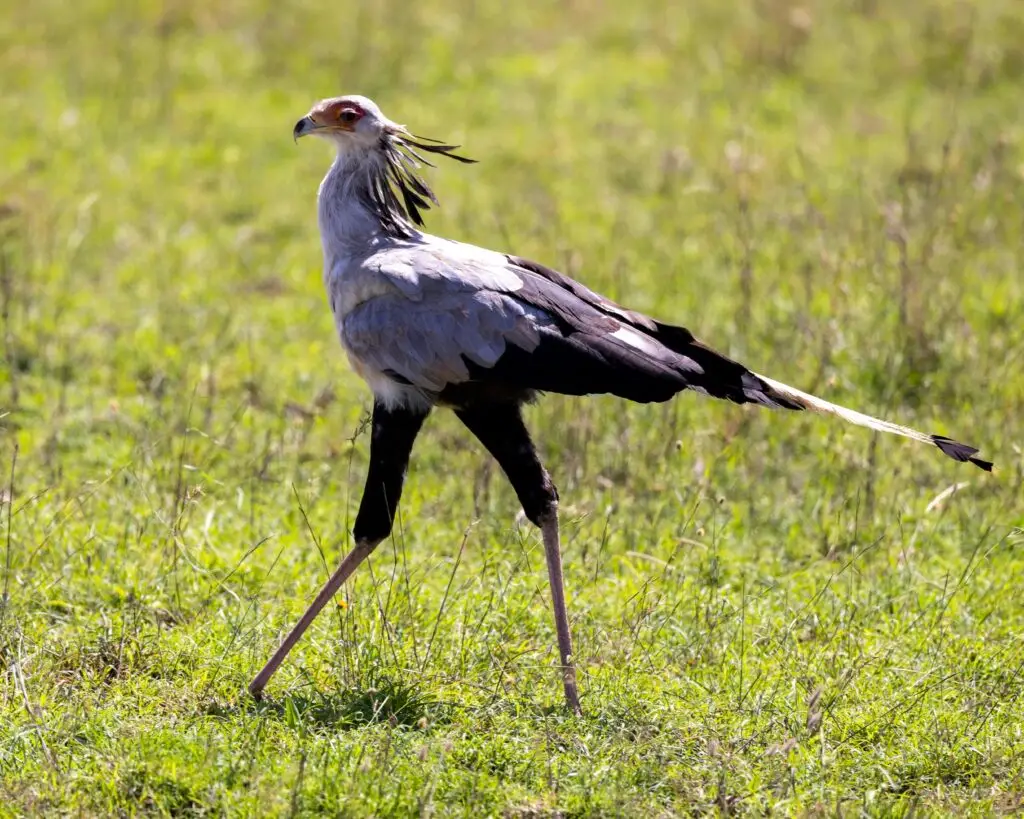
(397, 192)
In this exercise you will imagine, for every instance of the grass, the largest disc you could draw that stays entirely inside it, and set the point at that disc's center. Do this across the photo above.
(772, 613)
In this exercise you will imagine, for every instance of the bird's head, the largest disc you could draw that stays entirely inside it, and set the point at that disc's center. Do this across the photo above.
(350, 122)
(393, 156)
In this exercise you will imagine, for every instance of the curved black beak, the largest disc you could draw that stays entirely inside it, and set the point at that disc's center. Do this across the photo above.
(302, 127)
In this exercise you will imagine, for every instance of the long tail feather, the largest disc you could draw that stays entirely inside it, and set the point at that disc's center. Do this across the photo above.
(952, 449)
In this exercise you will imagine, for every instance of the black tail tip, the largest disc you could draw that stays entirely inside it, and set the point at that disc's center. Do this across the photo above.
(960, 452)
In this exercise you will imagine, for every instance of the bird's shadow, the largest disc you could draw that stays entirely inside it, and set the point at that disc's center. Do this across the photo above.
(391, 702)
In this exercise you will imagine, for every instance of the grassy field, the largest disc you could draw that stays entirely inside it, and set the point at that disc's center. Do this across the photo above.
(773, 613)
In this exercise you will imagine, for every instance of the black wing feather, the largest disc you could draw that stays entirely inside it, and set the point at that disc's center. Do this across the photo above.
(584, 357)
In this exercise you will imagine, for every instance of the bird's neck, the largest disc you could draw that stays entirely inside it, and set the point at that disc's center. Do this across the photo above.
(346, 221)
(350, 218)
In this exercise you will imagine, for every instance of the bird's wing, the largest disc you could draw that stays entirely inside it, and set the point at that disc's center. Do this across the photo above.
(453, 313)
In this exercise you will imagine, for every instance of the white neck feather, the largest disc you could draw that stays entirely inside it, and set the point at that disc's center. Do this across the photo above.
(346, 224)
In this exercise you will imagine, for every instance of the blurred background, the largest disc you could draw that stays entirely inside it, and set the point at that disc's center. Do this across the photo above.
(830, 191)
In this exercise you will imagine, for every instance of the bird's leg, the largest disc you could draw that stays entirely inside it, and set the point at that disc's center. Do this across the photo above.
(500, 428)
(341, 574)
(394, 431)
(553, 555)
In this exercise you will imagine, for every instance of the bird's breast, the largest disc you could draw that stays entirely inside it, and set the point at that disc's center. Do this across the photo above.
(349, 285)
(385, 389)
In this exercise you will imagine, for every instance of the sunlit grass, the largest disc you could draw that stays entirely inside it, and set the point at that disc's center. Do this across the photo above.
(771, 612)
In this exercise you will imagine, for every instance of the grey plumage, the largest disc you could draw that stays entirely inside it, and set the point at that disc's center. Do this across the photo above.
(429, 345)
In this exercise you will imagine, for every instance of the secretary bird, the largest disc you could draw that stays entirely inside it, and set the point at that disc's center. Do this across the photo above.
(431, 322)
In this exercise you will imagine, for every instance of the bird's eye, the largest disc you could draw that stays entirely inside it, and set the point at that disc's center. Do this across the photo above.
(348, 115)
